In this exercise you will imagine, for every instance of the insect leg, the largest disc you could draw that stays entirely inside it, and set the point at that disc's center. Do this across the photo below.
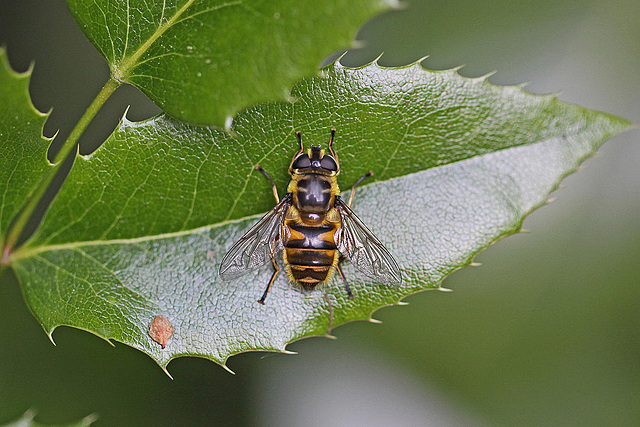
(346, 285)
(275, 190)
(353, 189)
(273, 278)
(301, 150)
(333, 153)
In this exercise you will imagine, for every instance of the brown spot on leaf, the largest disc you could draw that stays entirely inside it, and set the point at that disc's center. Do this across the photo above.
(161, 330)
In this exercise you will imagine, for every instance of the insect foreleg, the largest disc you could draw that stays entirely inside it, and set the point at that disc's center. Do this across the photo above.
(353, 189)
(273, 278)
(275, 190)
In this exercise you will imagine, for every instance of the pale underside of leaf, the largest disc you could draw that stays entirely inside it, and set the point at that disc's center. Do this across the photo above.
(460, 164)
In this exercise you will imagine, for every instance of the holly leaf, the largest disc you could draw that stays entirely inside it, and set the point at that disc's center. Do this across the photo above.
(140, 226)
(226, 55)
(23, 149)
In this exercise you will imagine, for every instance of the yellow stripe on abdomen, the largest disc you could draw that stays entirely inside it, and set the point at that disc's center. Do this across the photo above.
(308, 267)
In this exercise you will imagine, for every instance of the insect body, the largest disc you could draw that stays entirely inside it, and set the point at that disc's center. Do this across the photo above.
(313, 227)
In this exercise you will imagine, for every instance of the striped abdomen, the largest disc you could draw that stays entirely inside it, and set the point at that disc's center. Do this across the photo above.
(310, 252)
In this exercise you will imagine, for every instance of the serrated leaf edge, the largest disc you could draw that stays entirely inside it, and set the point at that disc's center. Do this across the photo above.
(4, 60)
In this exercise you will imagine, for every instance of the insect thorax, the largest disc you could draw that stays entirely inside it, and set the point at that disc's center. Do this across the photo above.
(313, 193)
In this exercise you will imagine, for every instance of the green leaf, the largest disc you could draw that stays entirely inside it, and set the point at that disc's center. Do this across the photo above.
(141, 225)
(23, 149)
(226, 55)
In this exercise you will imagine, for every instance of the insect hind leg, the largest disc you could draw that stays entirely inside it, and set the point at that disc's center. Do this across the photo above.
(273, 184)
(276, 269)
(344, 280)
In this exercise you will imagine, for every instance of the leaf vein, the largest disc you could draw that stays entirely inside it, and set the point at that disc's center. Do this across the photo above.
(248, 178)
(108, 27)
(211, 9)
(126, 204)
(195, 186)
(126, 40)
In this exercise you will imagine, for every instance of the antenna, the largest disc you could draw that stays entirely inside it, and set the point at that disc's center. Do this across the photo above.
(301, 150)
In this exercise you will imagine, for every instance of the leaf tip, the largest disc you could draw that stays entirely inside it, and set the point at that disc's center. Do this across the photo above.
(32, 65)
(226, 368)
(420, 60)
(377, 60)
(339, 58)
(124, 118)
(50, 335)
(166, 371)
(486, 76)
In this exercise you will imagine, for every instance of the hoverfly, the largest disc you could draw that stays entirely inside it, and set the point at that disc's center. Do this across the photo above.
(313, 228)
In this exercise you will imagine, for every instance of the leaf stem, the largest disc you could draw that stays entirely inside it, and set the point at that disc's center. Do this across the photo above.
(32, 202)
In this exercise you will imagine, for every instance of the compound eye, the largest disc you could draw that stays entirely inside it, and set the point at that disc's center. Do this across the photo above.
(303, 161)
(328, 163)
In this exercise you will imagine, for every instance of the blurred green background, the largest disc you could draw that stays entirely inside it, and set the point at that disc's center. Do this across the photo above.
(546, 332)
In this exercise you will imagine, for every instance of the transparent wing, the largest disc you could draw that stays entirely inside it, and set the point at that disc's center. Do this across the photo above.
(363, 249)
(258, 245)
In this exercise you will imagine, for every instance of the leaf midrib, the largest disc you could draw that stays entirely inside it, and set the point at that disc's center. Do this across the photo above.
(26, 252)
